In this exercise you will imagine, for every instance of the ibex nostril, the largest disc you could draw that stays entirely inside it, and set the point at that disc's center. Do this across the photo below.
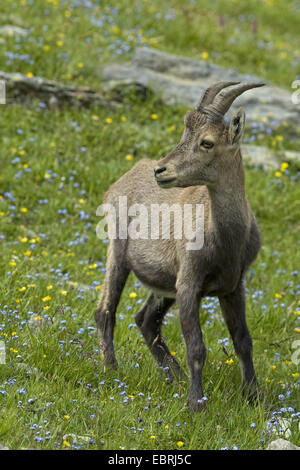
(157, 171)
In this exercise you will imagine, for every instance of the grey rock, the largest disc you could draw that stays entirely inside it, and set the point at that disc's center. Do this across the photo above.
(283, 426)
(20, 87)
(282, 444)
(257, 155)
(29, 370)
(75, 437)
(12, 30)
(3, 447)
(181, 80)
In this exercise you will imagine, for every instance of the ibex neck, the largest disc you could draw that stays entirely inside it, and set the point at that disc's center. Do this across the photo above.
(228, 203)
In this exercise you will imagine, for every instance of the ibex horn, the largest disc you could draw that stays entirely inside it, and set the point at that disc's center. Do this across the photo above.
(217, 110)
(211, 92)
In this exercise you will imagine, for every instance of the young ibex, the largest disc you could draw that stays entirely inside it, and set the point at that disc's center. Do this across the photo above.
(204, 168)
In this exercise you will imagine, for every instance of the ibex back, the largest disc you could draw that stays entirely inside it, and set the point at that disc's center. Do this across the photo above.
(204, 168)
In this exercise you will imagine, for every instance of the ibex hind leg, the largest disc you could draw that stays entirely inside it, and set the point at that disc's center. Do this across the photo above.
(149, 320)
(105, 314)
(233, 309)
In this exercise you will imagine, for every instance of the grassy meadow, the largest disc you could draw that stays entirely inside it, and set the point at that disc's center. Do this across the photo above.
(55, 166)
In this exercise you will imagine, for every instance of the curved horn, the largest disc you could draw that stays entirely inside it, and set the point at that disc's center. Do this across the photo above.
(224, 100)
(211, 92)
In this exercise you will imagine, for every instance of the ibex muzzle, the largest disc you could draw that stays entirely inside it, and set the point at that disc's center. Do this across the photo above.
(208, 159)
(163, 176)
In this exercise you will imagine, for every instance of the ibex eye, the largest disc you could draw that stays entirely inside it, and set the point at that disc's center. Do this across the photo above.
(207, 144)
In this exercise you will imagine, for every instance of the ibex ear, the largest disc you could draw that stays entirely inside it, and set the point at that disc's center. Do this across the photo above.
(236, 126)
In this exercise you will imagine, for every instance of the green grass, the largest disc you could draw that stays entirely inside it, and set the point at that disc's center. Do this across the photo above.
(55, 167)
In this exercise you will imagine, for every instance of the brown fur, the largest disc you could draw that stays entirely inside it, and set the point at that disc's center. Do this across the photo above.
(190, 173)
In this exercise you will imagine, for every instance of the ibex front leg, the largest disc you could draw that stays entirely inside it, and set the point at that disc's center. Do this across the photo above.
(234, 312)
(189, 302)
(105, 315)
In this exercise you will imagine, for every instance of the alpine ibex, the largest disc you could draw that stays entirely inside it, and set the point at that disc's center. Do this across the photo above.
(204, 168)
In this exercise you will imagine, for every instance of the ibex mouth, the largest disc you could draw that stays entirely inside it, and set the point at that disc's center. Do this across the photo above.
(165, 182)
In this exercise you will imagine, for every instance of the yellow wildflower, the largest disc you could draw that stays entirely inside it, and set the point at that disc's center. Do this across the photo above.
(284, 166)
(229, 362)
(133, 295)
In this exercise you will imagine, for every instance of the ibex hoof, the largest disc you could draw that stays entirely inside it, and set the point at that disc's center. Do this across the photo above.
(173, 371)
(254, 395)
(197, 404)
(110, 363)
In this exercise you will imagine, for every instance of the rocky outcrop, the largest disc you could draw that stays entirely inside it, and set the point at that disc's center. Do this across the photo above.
(282, 444)
(181, 80)
(19, 87)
